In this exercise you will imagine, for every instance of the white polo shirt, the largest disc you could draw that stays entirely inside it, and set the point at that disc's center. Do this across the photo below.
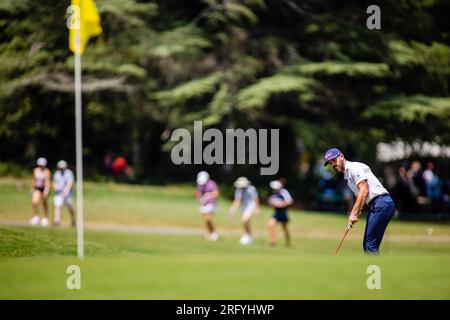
(62, 179)
(355, 172)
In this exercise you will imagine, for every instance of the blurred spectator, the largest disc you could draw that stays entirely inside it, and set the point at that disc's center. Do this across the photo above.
(207, 193)
(121, 168)
(40, 189)
(428, 174)
(108, 160)
(433, 183)
(280, 200)
(417, 182)
(405, 199)
(246, 197)
(63, 181)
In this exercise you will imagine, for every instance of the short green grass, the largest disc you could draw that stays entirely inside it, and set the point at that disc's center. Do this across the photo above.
(152, 266)
(175, 206)
(119, 265)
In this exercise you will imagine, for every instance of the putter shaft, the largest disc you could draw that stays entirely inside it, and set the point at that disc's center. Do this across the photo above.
(343, 238)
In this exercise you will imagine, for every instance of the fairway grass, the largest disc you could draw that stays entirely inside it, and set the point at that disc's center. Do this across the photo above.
(175, 206)
(127, 265)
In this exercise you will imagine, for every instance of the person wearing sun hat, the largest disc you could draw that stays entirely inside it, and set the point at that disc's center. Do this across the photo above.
(280, 201)
(63, 181)
(368, 190)
(207, 193)
(40, 190)
(245, 197)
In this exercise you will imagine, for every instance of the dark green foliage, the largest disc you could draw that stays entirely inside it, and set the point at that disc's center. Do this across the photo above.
(310, 68)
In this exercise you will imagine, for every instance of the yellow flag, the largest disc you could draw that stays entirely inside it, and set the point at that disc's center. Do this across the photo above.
(85, 22)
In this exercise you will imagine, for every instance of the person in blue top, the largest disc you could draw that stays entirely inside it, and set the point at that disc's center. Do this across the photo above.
(280, 201)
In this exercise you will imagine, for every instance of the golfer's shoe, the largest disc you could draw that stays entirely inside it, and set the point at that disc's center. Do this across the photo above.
(246, 239)
(34, 221)
(44, 222)
(213, 236)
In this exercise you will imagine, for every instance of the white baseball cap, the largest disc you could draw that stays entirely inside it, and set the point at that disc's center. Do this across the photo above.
(42, 162)
(242, 182)
(61, 164)
(276, 184)
(202, 178)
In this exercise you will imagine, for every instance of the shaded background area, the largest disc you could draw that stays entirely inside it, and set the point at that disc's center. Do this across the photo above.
(310, 68)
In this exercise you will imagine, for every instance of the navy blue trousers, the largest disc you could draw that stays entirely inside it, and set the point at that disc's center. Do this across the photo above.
(381, 211)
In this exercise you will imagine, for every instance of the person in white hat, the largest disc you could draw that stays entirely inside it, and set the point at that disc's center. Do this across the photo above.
(245, 197)
(40, 188)
(280, 201)
(63, 181)
(207, 193)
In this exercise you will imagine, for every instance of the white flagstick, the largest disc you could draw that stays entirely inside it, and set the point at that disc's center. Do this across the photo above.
(79, 149)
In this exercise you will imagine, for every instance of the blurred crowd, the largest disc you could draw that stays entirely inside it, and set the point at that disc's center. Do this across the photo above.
(420, 189)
